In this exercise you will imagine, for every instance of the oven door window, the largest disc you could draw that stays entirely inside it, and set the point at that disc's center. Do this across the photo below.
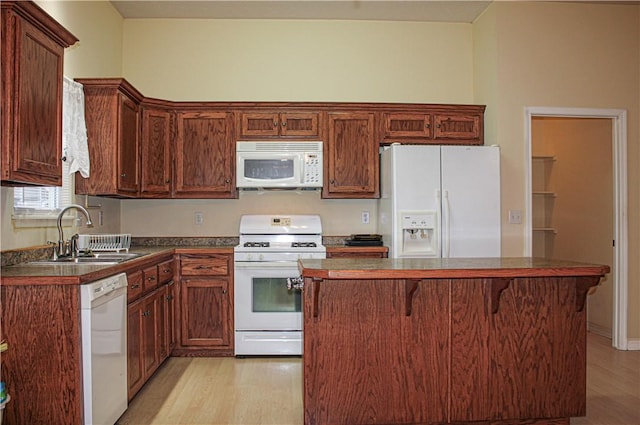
(270, 295)
(269, 169)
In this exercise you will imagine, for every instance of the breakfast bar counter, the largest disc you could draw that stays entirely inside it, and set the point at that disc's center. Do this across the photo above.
(445, 341)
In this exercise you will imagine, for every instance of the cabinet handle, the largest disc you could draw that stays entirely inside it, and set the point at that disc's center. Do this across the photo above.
(150, 278)
(427, 125)
(166, 270)
(284, 123)
(275, 123)
(332, 181)
(167, 181)
(146, 313)
(136, 286)
(169, 297)
(123, 175)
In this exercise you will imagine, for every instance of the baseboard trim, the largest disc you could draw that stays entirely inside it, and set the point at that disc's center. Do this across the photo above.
(599, 330)
(633, 344)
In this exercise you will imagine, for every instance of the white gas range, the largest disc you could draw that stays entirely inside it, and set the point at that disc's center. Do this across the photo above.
(268, 315)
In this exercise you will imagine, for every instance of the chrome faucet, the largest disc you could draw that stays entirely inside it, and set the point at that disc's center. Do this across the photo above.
(62, 247)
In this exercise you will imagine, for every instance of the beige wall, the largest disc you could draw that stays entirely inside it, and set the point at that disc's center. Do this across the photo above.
(559, 55)
(309, 60)
(98, 26)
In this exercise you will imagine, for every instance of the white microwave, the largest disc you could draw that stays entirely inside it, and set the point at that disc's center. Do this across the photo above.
(279, 164)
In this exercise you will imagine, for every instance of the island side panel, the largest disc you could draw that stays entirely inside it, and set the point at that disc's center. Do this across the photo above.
(537, 347)
(366, 361)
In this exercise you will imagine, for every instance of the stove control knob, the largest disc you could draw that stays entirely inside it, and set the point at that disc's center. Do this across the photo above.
(249, 257)
(260, 257)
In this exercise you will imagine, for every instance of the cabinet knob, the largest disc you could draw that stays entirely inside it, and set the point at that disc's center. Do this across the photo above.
(224, 291)
(136, 286)
(284, 123)
(151, 278)
(332, 181)
(123, 175)
(275, 123)
(167, 181)
(427, 125)
(227, 181)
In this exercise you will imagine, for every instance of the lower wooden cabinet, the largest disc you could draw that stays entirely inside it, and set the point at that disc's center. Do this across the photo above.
(357, 252)
(206, 305)
(151, 325)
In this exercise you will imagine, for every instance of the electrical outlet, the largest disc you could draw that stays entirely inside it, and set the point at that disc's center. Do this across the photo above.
(515, 217)
(365, 217)
(198, 218)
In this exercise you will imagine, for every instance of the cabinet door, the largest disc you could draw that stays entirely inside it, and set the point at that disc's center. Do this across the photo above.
(352, 157)
(205, 155)
(299, 124)
(32, 133)
(458, 127)
(205, 310)
(135, 366)
(128, 147)
(155, 153)
(259, 124)
(151, 319)
(407, 125)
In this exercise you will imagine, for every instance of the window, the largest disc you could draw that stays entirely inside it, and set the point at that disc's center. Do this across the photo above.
(43, 202)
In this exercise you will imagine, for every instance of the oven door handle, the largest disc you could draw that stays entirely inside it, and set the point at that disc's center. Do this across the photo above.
(244, 265)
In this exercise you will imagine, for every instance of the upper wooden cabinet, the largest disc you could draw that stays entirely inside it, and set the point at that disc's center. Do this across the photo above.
(113, 132)
(31, 94)
(205, 155)
(156, 152)
(438, 125)
(351, 156)
(256, 125)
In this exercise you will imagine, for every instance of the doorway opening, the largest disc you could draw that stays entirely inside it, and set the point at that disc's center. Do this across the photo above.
(576, 201)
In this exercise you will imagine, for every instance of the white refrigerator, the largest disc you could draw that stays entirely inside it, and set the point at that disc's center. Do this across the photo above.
(440, 201)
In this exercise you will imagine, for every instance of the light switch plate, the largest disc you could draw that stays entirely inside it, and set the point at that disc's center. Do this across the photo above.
(515, 217)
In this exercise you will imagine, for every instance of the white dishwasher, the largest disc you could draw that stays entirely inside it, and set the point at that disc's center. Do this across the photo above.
(104, 349)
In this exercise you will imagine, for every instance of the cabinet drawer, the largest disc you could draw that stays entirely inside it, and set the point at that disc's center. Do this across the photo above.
(134, 281)
(165, 271)
(149, 278)
(204, 265)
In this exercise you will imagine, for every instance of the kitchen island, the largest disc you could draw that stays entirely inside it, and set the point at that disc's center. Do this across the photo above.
(440, 341)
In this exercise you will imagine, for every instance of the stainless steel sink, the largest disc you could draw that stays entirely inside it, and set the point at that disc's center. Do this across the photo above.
(100, 258)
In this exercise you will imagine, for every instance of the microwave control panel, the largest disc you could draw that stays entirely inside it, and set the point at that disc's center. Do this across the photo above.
(312, 168)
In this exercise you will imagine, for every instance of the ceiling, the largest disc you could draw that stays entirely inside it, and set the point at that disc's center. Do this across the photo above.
(384, 10)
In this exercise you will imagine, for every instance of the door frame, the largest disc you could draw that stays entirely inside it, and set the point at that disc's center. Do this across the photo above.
(620, 255)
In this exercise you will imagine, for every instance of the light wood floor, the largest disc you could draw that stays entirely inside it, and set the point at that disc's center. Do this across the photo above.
(268, 391)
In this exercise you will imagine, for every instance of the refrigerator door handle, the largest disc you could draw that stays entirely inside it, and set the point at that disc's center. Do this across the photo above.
(446, 225)
(439, 221)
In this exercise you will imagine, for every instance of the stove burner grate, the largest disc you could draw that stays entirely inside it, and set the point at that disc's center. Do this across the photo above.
(303, 245)
(256, 244)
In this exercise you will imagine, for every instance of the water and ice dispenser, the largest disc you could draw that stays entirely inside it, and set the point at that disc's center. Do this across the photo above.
(419, 234)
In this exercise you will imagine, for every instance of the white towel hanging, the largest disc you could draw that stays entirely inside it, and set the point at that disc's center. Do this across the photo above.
(74, 129)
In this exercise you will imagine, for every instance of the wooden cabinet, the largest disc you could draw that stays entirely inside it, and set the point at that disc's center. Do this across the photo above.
(252, 125)
(440, 124)
(151, 325)
(407, 125)
(112, 116)
(351, 156)
(206, 310)
(31, 94)
(357, 252)
(205, 155)
(156, 152)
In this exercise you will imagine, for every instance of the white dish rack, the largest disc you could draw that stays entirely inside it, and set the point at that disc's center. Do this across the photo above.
(117, 243)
